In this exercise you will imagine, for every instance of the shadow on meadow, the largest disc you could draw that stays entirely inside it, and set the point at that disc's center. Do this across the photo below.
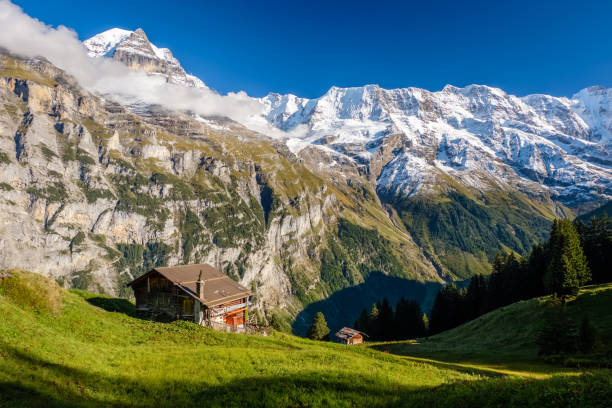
(48, 384)
(113, 305)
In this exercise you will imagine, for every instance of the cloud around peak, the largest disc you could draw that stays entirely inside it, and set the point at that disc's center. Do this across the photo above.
(29, 37)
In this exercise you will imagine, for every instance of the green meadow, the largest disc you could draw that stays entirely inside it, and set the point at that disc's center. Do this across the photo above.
(62, 348)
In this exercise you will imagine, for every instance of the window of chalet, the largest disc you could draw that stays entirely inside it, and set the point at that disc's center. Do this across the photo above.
(187, 306)
(159, 283)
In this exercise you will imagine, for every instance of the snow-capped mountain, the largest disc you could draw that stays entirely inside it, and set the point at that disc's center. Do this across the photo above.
(477, 134)
(134, 49)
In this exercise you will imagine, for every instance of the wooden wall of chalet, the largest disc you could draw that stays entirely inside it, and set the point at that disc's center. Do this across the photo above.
(356, 339)
(159, 296)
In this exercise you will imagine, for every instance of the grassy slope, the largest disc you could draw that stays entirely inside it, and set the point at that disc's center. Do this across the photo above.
(503, 339)
(87, 356)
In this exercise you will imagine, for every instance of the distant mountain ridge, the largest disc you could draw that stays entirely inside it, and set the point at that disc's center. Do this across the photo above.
(477, 135)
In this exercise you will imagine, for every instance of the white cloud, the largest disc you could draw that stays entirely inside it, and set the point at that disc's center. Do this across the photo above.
(29, 37)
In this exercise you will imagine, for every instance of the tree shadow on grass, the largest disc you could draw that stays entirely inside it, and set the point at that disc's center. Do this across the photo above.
(113, 305)
(41, 383)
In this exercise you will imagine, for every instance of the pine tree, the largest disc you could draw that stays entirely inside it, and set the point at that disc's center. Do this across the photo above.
(385, 321)
(446, 312)
(409, 322)
(496, 283)
(568, 268)
(475, 298)
(539, 258)
(596, 240)
(362, 323)
(373, 324)
(318, 330)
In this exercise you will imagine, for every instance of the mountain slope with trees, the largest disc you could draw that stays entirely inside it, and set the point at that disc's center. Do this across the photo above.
(507, 337)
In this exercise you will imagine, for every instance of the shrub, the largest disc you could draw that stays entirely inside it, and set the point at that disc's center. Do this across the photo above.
(4, 159)
(48, 153)
(31, 291)
(77, 240)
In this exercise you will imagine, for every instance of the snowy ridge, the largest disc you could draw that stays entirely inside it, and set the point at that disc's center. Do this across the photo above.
(478, 135)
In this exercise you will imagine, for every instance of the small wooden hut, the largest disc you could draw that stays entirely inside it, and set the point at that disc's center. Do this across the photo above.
(349, 336)
(199, 293)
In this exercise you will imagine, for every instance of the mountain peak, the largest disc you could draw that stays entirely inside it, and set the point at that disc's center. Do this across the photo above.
(134, 49)
(104, 44)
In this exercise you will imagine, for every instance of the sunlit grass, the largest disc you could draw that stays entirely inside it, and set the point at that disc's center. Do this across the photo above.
(89, 356)
(503, 340)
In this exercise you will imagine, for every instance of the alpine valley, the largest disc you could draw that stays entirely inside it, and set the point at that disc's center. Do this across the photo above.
(359, 194)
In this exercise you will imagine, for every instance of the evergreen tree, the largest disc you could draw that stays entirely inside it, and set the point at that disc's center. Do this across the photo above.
(596, 239)
(537, 266)
(446, 310)
(496, 283)
(409, 322)
(425, 325)
(568, 269)
(373, 325)
(475, 298)
(318, 330)
(385, 321)
(362, 323)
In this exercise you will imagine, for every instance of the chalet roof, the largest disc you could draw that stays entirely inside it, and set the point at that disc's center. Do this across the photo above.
(218, 287)
(347, 333)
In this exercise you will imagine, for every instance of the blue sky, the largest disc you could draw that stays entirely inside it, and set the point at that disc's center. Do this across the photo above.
(555, 47)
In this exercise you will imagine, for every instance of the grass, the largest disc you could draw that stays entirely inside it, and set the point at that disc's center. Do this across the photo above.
(503, 340)
(95, 354)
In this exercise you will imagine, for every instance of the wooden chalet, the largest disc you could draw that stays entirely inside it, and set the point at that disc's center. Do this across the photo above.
(199, 293)
(349, 336)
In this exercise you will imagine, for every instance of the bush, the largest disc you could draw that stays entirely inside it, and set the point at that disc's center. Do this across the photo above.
(31, 291)
(4, 159)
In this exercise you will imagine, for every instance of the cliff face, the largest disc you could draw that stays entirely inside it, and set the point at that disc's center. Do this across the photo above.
(94, 194)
